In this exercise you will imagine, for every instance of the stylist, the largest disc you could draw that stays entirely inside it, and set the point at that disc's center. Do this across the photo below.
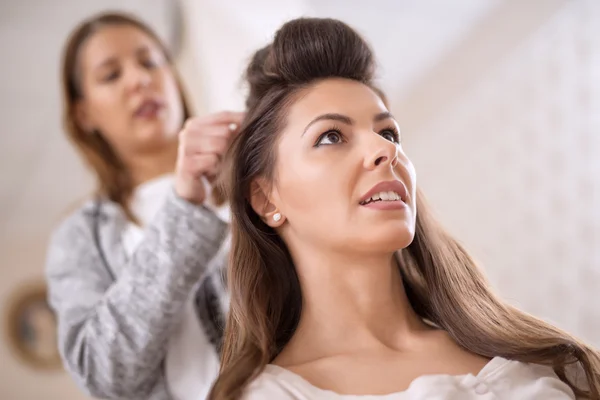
(135, 274)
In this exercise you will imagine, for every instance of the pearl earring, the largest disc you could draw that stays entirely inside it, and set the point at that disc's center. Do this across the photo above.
(276, 217)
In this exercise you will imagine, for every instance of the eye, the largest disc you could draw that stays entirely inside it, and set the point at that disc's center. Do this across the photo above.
(332, 136)
(149, 63)
(113, 75)
(391, 134)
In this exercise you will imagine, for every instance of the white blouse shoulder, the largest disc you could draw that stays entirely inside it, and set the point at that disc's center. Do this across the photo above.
(499, 379)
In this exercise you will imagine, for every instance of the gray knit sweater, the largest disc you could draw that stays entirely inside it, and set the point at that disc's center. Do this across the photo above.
(115, 314)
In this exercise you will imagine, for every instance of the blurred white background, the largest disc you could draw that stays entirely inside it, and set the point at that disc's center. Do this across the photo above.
(499, 101)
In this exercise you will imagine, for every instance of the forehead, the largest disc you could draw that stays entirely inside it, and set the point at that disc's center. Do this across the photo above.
(336, 95)
(115, 41)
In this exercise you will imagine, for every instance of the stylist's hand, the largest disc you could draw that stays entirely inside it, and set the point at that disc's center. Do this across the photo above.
(202, 144)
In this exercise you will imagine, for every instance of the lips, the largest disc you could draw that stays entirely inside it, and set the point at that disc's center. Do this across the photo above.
(385, 191)
(149, 108)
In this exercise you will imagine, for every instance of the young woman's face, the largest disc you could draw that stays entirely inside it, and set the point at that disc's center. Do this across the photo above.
(341, 177)
(130, 93)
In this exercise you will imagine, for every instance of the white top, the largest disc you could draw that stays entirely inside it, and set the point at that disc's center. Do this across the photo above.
(500, 379)
(191, 363)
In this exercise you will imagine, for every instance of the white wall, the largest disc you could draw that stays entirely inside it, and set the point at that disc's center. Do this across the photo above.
(512, 164)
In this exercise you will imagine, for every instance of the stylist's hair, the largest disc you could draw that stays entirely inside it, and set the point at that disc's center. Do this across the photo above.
(114, 180)
(442, 281)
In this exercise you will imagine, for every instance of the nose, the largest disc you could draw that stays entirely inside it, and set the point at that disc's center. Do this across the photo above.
(137, 78)
(380, 152)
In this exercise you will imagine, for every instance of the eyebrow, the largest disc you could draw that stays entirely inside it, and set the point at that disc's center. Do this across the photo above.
(345, 119)
(383, 115)
(106, 63)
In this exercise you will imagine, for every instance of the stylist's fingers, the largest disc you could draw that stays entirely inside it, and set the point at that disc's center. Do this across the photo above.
(191, 169)
(202, 143)
(205, 144)
(199, 127)
(198, 165)
(223, 118)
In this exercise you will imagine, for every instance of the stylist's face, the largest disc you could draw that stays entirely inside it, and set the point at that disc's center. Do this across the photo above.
(130, 94)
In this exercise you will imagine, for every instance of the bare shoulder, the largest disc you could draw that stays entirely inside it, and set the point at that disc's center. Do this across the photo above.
(444, 349)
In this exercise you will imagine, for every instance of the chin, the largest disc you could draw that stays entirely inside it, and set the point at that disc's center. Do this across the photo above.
(400, 242)
(386, 240)
(154, 137)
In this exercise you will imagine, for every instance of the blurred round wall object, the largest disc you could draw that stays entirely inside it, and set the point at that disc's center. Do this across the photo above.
(30, 326)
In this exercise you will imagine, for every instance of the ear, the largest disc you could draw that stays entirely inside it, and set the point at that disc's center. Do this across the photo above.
(82, 117)
(260, 200)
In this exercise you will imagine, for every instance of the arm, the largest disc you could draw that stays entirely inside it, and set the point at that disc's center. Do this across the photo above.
(113, 335)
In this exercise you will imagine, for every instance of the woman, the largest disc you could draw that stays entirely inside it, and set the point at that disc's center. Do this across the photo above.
(134, 275)
(342, 284)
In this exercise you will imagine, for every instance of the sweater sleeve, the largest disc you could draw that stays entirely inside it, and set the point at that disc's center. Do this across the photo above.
(113, 334)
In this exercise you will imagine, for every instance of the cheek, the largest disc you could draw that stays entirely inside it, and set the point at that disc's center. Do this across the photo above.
(406, 171)
(107, 112)
(313, 190)
(299, 188)
(172, 95)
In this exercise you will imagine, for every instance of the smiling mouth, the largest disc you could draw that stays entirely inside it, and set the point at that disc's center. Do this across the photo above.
(389, 196)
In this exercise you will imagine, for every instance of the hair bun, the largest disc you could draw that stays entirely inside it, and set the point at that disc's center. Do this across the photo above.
(307, 49)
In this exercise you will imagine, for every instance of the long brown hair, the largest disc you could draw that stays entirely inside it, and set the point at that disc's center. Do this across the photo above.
(114, 180)
(442, 282)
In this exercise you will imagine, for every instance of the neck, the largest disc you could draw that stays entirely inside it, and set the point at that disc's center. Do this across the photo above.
(350, 303)
(147, 166)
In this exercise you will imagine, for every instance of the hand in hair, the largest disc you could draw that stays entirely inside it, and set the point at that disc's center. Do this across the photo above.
(202, 144)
